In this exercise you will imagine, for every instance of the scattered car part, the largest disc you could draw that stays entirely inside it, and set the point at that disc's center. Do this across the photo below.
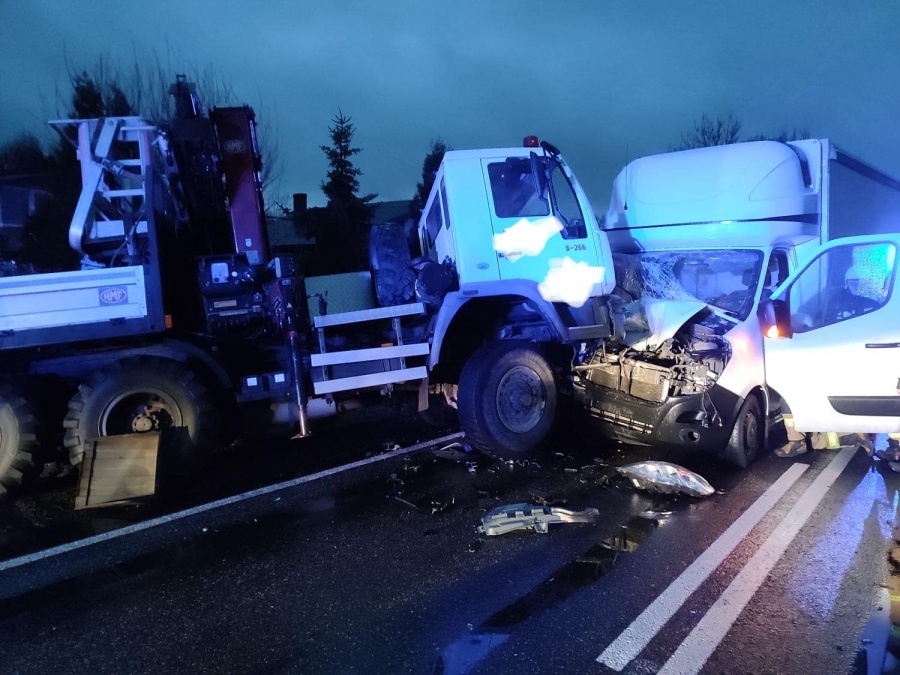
(512, 517)
(667, 478)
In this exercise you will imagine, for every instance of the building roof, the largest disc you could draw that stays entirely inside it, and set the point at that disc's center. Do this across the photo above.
(390, 212)
(284, 232)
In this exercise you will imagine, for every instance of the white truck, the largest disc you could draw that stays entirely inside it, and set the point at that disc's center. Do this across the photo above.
(701, 238)
(184, 318)
(513, 283)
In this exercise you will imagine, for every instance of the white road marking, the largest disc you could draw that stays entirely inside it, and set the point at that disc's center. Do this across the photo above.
(706, 636)
(634, 638)
(147, 524)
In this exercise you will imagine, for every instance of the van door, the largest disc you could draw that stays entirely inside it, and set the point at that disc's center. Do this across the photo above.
(838, 366)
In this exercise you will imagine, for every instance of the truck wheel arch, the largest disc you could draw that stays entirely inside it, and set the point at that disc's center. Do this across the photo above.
(448, 318)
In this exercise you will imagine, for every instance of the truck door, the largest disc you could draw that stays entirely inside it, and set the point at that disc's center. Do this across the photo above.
(527, 235)
(837, 363)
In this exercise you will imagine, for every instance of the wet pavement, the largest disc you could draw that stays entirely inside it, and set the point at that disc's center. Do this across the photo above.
(42, 515)
(381, 570)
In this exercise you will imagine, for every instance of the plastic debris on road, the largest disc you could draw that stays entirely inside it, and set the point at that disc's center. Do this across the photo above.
(666, 478)
(512, 517)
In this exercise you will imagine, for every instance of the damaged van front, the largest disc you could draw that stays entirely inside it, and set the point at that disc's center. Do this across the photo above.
(680, 372)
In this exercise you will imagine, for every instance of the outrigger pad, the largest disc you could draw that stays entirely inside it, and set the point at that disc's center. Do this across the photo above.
(118, 468)
(133, 466)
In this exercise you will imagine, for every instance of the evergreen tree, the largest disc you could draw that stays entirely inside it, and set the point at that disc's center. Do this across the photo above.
(342, 233)
(430, 166)
(23, 155)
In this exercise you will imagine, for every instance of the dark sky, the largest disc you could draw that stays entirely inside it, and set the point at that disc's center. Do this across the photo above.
(601, 79)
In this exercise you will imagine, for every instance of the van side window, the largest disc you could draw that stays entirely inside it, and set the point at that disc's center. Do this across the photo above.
(515, 190)
(842, 283)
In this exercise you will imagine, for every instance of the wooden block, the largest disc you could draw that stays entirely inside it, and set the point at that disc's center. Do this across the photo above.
(117, 468)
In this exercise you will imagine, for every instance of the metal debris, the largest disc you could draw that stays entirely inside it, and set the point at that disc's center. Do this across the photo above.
(407, 502)
(456, 452)
(438, 507)
(667, 478)
(535, 517)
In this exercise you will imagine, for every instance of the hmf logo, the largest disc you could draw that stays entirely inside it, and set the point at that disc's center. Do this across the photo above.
(113, 296)
(234, 146)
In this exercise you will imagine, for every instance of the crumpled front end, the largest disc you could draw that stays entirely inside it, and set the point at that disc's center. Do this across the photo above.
(658, 385)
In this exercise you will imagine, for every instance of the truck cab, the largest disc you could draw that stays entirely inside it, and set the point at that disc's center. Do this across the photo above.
(514, 278)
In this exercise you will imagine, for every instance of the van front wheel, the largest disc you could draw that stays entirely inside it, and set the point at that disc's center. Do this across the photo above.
(747, 436)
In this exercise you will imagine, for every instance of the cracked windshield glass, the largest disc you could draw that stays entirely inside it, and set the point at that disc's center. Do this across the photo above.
(724, 279)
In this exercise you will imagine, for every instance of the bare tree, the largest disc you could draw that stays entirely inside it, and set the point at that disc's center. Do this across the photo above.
(141, 87)
(708, 132)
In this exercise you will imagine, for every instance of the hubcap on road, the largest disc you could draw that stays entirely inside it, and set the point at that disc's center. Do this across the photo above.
(520, 399)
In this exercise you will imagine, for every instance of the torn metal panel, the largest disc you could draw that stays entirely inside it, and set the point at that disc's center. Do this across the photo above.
(505, 519)
(649, 322)
(667, 478)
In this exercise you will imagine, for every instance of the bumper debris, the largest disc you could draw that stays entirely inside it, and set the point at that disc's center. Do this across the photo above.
(512, 517)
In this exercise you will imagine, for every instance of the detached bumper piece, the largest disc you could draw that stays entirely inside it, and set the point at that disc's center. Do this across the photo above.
(505, 519)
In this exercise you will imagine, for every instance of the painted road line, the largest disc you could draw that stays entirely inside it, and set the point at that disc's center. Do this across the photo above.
(634, 638)
(706, 636)
(162, 520)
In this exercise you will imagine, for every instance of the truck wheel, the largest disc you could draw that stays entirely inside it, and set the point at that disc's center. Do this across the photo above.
(18, 443)
(747, 435)
(506, 398)
(393, 278)
(140, 395)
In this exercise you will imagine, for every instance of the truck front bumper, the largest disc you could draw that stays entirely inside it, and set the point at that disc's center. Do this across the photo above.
(701, 421)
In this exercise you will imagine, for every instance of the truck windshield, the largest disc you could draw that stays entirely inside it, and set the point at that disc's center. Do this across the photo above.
(726, 280)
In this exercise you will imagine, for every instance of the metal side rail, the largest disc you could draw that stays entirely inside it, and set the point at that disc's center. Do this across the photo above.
(353, 364)
(369, 315)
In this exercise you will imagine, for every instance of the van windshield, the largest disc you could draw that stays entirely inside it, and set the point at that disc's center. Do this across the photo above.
(726, 280)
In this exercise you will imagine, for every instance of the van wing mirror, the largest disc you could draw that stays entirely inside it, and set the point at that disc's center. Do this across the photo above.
(774, 318)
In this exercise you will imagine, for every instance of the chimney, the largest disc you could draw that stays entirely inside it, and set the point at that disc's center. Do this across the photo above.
(299, 204)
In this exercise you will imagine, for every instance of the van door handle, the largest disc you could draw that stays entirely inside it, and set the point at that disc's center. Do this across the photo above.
(882, 345)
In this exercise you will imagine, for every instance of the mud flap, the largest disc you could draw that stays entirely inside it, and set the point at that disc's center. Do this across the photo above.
(133, 466)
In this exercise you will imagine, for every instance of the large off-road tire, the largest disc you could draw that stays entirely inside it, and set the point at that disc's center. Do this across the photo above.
(747, 435)
(507, 398)
(18, 443)
(140, 395)
(393, 278)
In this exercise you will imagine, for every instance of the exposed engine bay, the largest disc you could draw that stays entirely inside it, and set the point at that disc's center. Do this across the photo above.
(668, 349)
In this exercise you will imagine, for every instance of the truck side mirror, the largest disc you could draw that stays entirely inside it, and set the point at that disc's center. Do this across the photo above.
(774, 318)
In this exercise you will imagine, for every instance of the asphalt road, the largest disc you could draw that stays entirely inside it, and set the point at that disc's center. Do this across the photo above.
(379, 569)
